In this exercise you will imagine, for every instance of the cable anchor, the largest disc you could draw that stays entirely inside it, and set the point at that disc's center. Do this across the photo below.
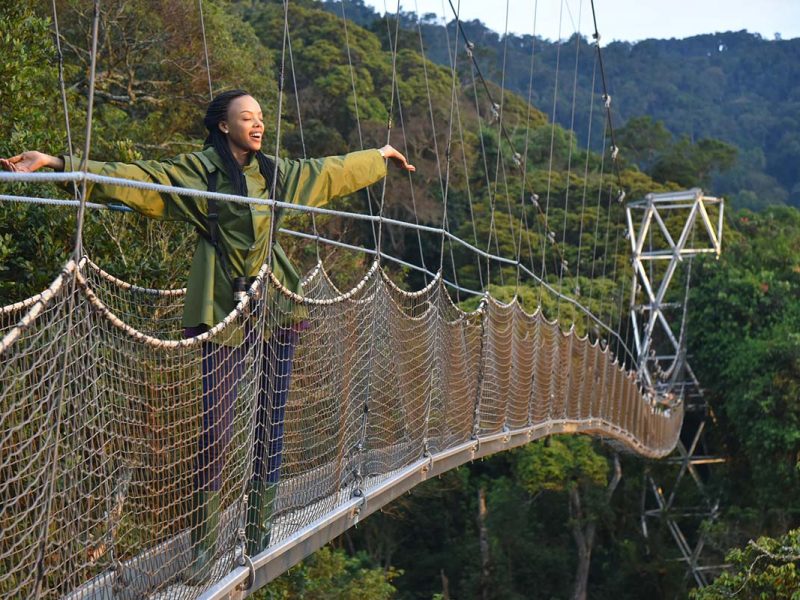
(495, 111)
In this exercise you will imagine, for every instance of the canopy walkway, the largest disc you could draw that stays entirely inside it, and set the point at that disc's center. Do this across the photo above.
(106, 422)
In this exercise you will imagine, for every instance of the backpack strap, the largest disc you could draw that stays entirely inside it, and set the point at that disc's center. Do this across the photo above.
(212, 237)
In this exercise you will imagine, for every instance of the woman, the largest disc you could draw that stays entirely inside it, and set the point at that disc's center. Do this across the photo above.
(233, 243)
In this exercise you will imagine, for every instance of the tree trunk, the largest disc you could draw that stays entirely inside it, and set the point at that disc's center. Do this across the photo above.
(445, 585)
(584, 532)
(584, 540)
(484, 544)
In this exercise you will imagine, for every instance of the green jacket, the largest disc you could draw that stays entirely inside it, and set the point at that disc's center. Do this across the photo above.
(243, 229)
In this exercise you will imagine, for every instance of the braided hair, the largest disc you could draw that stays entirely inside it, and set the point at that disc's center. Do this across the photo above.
(216, 112)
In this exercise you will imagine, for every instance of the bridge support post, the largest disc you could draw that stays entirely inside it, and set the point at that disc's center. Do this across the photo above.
(666, 232)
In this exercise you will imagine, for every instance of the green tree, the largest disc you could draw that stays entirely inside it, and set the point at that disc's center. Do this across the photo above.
(746, 350)
(571, 465)
(764, 569)
(29, 118)
(330, 574)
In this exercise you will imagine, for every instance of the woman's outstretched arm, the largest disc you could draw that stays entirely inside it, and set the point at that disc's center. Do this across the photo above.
(31, 161)
(397, 158)
(316, 181)
(183, 171)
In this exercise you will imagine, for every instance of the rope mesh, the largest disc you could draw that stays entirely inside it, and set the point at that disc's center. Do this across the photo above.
(162, 440)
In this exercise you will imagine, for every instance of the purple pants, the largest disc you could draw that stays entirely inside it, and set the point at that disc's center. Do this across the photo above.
(223, 368)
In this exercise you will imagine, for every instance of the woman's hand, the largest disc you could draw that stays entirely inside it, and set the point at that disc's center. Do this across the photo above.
(31, 161)
(397, 158)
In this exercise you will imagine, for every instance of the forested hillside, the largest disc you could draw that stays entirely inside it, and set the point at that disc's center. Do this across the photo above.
(735, 86)
(523, 524)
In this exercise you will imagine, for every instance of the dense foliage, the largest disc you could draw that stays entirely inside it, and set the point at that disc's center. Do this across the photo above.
(524, 524)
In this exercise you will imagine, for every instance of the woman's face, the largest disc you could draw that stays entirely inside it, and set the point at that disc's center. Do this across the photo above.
(244, 126)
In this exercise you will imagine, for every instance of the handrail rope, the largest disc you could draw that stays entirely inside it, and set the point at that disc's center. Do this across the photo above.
(389, 257)
(279, 114)
(571, 144)
(103, 274)
(593, 318)
(33, 307)
(549, 235)
(287, 205)
(205, 49)
(358, 118)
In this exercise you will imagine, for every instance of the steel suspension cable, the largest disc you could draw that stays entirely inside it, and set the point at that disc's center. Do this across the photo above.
(500, 161)
(358, 118)
(77, 253)
(585, 180)
(470, 46)
(410, 179)
(274, 185)
(63, 90)
(448, 150)
(205, 49)
(614, 149)
(489, 191)
(607, 103)
(302, 135)
(600, 186)
(523, 208)
(550, 235)
(570, 152)
(469, 189)
(393, 49)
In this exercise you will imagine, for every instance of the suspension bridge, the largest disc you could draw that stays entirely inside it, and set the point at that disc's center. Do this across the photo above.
(101, 395)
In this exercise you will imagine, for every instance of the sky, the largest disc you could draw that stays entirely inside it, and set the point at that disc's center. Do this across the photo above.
(620, 20)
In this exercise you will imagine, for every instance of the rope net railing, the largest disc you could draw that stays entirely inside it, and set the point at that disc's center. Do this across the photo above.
(103, 474)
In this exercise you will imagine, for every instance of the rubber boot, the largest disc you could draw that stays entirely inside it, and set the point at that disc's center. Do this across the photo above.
(204, 527)
(259, 515)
